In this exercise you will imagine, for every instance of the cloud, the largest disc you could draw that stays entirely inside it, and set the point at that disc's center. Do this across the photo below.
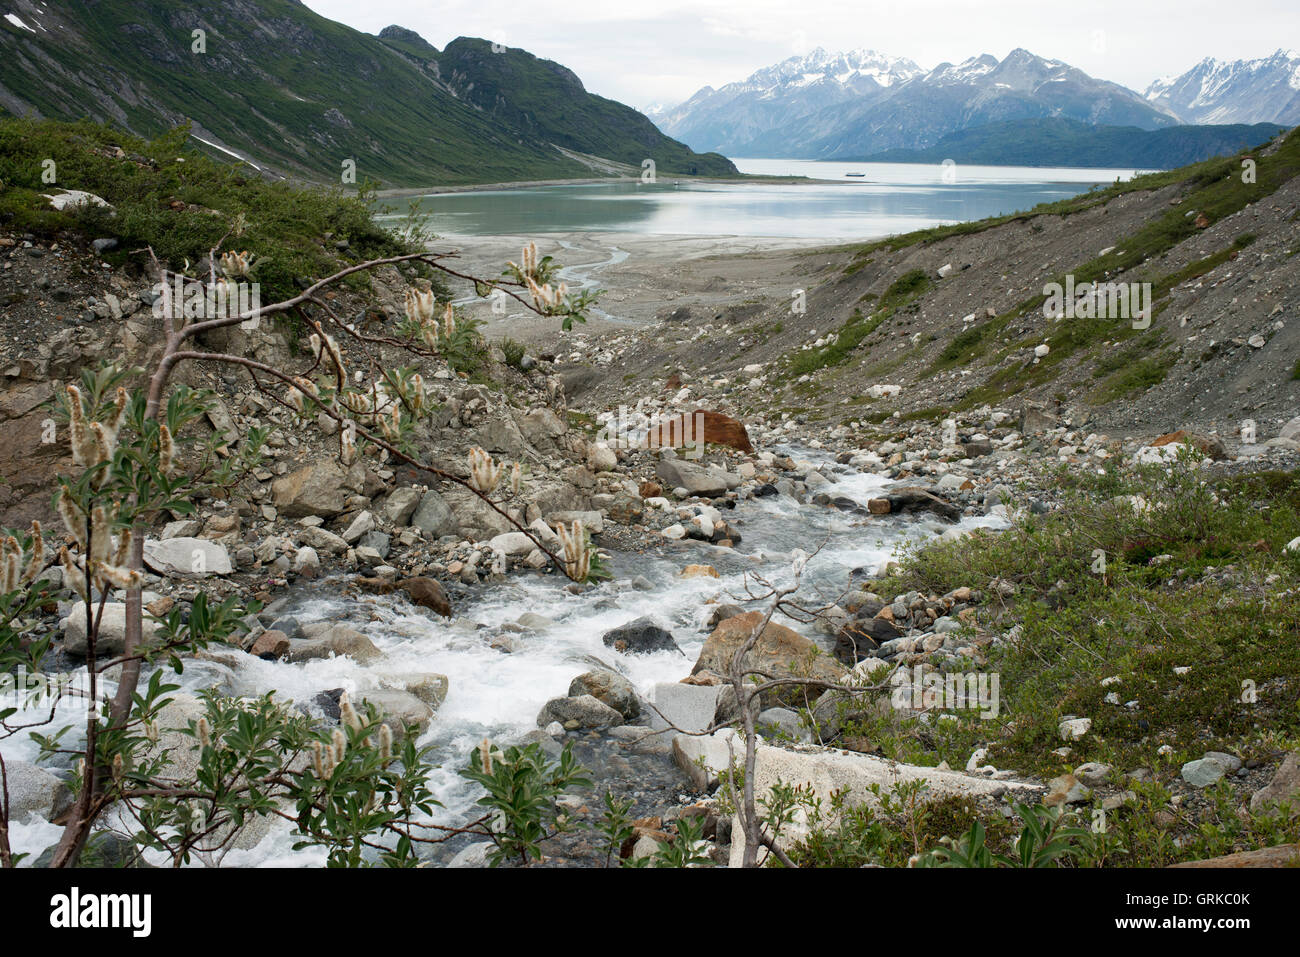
(663, 51)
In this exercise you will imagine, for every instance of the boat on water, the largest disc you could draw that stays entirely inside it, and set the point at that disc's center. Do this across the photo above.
(855, 174)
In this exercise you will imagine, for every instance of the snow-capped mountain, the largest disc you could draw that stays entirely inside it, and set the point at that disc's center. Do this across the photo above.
(856, 104)
(734, 115)
(1234, 91)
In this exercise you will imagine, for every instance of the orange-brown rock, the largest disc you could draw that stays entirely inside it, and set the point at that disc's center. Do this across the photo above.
(271, 645)
(650, 490)
(425, 592)
(690, 428)
(699, 571)
(1207, 444)
(31, 453)
(778, 651)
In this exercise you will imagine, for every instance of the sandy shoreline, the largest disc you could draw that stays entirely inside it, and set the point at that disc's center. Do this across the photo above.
(644, 278)
(409, 192)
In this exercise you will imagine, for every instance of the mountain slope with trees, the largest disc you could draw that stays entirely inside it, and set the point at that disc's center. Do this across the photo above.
(286, 89)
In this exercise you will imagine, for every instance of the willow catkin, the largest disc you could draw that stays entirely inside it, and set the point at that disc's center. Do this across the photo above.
(78, 430)
(420, 305)
(348, 712)
(318, 759)
(74, 519)
(101, 538)
(166, 449)
(73, 576)
(36, 562)
(9, 564)
(123, 550)
(118, 418)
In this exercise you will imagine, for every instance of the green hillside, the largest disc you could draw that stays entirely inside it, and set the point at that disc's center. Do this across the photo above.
(289, 90)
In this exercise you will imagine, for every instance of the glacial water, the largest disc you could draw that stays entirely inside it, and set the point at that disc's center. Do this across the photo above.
(889, 198)
(496, 694)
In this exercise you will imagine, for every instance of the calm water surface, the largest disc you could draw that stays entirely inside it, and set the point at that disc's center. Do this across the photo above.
(888, 198)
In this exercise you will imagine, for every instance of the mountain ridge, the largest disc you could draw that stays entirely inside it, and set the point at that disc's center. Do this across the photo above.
(273, 82)
(1264, 89)
(913, 111)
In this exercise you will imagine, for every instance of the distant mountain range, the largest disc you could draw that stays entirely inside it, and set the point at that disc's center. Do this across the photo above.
(1060, 142)
(1234, 91)
(866, 104)
(286, 89)
(778, 97)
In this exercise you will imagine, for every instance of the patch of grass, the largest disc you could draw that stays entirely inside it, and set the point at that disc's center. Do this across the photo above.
(514, 351)
(1183, 585)
(901, 292)
(179, 202)
(1134, 379)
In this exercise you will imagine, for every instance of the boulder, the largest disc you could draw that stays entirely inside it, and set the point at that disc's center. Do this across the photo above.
(1208, 445)
(826, 772)
(186, 557)
(913, 499)
(699, 571)
(34, 790)
(601, 458)
(434, 517)
(778, 651)
(337, 640)
(363, 523)
(422, 591)
(1035, 418)
(783, 724)
(640, 637)
(401, 505)
(1280, 855)
(112, 631)
(503, 437)
(431, 688)
(323, 541)
(860, 637)
(1284, 788)
(399, 709)
(541, 428)
(686, 707)
(610, 688)
(592, 520)
(512, 544)
(689, 429)
(696, 479)
(584, 711)
(271, 645)
(321, 488)
(472, 517)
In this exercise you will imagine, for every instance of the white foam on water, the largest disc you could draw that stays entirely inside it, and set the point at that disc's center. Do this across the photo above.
(498, 695)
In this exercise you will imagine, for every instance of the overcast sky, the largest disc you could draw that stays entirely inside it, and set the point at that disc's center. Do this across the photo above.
(662, 51)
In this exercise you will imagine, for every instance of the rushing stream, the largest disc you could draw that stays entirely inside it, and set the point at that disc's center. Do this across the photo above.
(497, 693)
